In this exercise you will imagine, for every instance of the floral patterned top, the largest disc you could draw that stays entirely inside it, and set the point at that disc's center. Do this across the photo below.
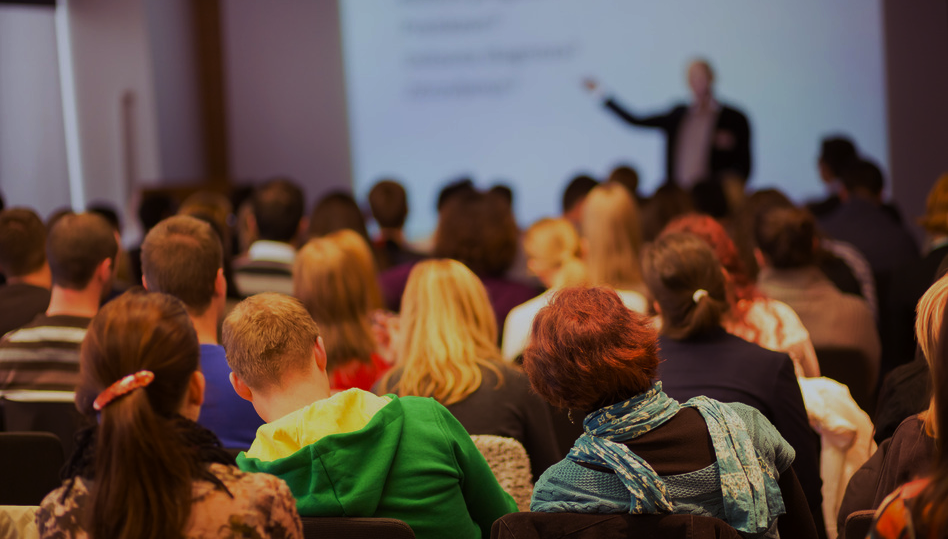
(262, 506)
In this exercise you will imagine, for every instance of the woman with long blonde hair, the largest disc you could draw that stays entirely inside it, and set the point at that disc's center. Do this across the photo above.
(447, 350)
(332, 281)
(612, 241)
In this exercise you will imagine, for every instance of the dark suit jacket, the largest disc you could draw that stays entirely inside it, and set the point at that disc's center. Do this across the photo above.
(736, 159)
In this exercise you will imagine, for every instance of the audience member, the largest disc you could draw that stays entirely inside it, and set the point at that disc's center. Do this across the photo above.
(668, 201)
(336, 211)
(353, 454)
(121, 274)
(627, 177)
(182, 256)
(44, 354)
(211, 208)
(152, 208)
(146, 469)
(23, 263)
(788, 242)
(642, 451)
(837, 154)
(574, 197)
(612, 237)
(389, 204)
(328, 281)
(277, 223)
(448, 351)
(701, 358)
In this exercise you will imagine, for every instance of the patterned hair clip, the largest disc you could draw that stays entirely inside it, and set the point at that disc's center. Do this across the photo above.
(121, 387)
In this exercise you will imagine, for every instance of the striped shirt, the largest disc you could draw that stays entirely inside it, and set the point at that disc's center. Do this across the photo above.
(43, 355)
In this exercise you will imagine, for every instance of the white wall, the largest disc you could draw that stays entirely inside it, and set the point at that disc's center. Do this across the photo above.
(285, 96)
(32, 142)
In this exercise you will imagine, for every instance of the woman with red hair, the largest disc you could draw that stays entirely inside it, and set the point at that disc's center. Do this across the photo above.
(642, 451)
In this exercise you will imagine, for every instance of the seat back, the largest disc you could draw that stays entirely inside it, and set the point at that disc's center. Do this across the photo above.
(29, 466)
(508, 460)
(355, 528)
(58, 417)
(610, 526)
(857, 524)
(852, 368)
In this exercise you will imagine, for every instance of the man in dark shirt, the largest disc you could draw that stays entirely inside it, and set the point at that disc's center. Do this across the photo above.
(23, 262)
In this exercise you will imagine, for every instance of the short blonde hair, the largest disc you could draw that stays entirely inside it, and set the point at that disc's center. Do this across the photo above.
(449, 333)
(552, 246)
(268, 337)
(611, 229)
(931, 312)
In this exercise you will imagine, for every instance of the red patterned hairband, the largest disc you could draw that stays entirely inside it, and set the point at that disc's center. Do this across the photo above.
(121, 387)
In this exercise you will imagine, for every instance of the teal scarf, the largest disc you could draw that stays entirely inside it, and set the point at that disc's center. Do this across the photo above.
(751, 495)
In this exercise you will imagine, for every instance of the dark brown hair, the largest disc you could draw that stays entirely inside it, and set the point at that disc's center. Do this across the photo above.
(22, 242)
(389, 204)
(676, 267)
(786, 237)
(588, 350)
(143, 467)
(181, 256)
(76, 245)
(479, 230)
(278, 209)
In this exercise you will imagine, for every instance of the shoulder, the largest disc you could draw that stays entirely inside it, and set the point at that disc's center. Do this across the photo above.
(60, 513)
(765, 437)
(567, 487)
(258, 501)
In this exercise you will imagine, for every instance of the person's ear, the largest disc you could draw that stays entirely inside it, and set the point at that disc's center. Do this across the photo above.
(196, 388)
(242, 389)
(220, 283)
(104, 270)
(760, 258)
(658, 309)
(319, 353)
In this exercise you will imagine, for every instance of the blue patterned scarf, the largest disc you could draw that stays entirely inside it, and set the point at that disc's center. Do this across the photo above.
(751, 494)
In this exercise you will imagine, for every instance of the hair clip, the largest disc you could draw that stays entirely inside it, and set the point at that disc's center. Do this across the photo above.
(121, 387)
(699, 293)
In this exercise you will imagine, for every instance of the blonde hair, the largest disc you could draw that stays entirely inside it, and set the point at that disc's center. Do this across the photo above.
(268, 337)
(327, 281)
(613, 237)
(935, 220)
(931, 311)
(448, 334)
(363, 261)
(553, 249)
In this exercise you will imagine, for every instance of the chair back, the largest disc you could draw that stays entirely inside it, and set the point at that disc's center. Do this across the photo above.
(508, 460)
(355, 528)
(58, 417)
(609, 526)
(852, 368)
(858, 524)
(29, 466)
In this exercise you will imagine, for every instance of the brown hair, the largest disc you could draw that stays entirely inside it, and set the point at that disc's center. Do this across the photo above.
(328, 282)
(611, 229)
(268, 336)
(278, 210)
(76, 245)
(22, 242)
(336, 211)
(143, 466)
(677, 268)
(478, 230)
(786, 237)
(588, 350)
(389, 204)
(181, 256)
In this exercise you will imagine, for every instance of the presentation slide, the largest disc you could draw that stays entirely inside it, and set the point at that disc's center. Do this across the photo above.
(492, 89)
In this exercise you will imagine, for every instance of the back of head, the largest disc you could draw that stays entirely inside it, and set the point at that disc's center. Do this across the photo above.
(182, 256)
(154, 207)
(479, 230)
(22, 242)
(143, 465)
(627, 177)
(463, 186)
(668, 201)
(712, 233)
(361, 260)
(551, 244)
(389, 204)
(76, 245)
(278, 209)
(328, 281)
(577, 190)
(864, 178)
(269, 338)
(787, 237)
(935, 220)
(685, 277)
(448, 332)
(336, 211)
(837, 154)
(611, 229)
(588, 350)
(108, 212)
(209, 206)
(503, 192)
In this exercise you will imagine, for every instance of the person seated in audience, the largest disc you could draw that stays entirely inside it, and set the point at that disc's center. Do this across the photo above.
(44, 354)
(353, 454)
(612, 240)
(910, 452)
(146, 469)
(701, 358)
(751, 315)
(574, 198)
(389, 204)
(837, 154)
(336, 211)
(787, 242)
(628, 177)
(919, 508)
(338, 289)
(553, 252)
(277, 222)
(23, 262)
(448, 351)
(182, 256)
(643, 451)
(666, 203)
(153, 207)
(216, 210)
